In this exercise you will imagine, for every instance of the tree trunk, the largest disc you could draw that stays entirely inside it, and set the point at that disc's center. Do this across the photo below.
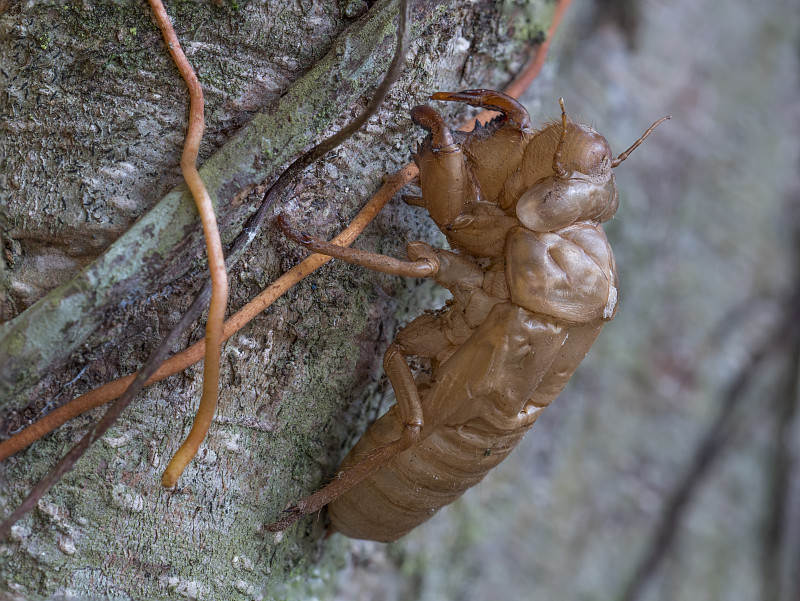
(95, 114)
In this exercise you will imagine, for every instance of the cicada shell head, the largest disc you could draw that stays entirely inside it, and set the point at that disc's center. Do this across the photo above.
(584, 190)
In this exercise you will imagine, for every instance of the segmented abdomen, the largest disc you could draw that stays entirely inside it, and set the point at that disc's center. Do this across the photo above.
(420, 481)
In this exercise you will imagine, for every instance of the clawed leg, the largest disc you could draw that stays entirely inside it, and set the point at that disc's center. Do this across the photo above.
(429, 118)
(410, 409)
(448, 180)
(492, 100)
(423, 258)
(444, 178)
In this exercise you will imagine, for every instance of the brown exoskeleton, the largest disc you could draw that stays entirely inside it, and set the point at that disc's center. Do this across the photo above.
(533, 281)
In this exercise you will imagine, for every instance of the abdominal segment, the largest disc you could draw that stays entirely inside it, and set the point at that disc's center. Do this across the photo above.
(417, 483)
(475, 413)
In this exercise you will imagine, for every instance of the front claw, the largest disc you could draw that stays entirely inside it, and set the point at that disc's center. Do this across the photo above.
(492, 100)
(429, 118)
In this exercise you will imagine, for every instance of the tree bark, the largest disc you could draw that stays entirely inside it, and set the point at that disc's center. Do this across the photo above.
(95, 115)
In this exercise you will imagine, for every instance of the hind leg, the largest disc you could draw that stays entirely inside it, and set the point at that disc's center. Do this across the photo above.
(410, 410)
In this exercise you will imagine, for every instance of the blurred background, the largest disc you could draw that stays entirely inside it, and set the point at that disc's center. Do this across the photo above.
(668, 469)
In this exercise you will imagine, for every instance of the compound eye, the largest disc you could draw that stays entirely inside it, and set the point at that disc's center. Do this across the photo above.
(548, 205)
(554, 203)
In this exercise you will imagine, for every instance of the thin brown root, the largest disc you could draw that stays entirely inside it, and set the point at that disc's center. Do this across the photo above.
(523, 81)
(216, 259)
(177, 363)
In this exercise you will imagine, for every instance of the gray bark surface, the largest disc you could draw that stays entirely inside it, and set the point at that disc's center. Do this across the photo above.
(94, 116)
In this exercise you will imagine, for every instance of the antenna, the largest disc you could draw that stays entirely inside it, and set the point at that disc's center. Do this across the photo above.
(558, 168)
(624, 155)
